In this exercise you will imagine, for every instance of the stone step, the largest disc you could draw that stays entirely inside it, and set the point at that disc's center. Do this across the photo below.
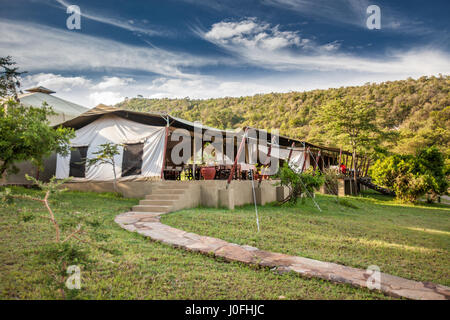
(141, 214)
(157, 202)
(147, 208)
(168, 191)
(162, 197)
(173, 186)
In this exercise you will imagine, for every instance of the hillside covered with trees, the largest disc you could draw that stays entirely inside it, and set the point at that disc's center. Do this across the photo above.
(412, 113)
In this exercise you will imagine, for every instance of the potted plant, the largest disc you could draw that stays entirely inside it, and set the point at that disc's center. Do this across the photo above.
(208, 171)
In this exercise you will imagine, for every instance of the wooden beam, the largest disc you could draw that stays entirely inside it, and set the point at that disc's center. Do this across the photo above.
(290, 152)
(305, 157)
(318, 162)
(165, 151)
(230, 177)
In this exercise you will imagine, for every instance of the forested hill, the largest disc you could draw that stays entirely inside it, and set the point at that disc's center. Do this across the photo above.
(418, 111)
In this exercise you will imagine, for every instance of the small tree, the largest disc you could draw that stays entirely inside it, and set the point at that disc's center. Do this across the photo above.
(9, 77)
(349, 122)
(298, 182)
(105, 155)
(61, 252)
(50, 188)
(25, 134)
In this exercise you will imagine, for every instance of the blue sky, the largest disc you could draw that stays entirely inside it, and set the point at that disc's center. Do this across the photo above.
(203, 49)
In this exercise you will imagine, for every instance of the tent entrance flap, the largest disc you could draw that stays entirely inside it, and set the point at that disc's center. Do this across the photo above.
(132, 159)
(78, 162)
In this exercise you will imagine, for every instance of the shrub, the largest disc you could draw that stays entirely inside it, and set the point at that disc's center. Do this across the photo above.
(412, 177)
(331, 177)
(409, 187)
(297, 182)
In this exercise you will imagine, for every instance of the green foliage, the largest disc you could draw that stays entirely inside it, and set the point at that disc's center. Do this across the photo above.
(430, 161)
(403, 240)
(298, 183)
(53, 186)
(350, 122)
(331, 177)
(9, 77)
(412, 176)
(413, 113)
(5, 196)
(63, 254)
(141, 269)
(60, 256)
(25, 134)
(105, 155)
(346, 203)
(409, 187)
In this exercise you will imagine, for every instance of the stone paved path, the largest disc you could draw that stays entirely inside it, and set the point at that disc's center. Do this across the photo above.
(149, 225)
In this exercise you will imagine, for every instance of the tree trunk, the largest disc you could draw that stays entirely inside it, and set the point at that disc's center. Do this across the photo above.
(354, 171)
(3, 169)
(115, 179)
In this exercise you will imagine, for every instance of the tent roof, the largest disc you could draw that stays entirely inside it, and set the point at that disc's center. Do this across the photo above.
(150, 118)
(40, 89)
(36, 98)
(159, 119)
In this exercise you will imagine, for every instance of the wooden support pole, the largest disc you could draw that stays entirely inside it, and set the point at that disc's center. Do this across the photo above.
(363, 166)
(351, 164)
(230, 177)
(317, 162)
(305, 157)
(367, 168)
(314, 162)
(290, 152)
(269, 151)
(193, 156)
(165, 150)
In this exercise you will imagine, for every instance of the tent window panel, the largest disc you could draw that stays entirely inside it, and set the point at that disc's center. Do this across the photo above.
(77, 162)
(132, 159)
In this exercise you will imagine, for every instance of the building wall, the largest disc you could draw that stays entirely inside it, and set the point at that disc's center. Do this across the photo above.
(27, 167)
(205, 193)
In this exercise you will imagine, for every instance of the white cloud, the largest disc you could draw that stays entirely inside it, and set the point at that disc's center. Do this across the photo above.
(112, 82)
(129, 25)
(202, 88)
(353, 13)
(37, 48)
(265, 46)
(55, 82)
(251, 34)
(332, 46)
(105, 97)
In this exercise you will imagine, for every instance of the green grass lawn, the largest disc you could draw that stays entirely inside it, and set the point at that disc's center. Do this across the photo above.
(127, 265)
(403, 240)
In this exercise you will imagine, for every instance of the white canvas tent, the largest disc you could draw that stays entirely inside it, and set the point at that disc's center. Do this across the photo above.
(149, 130)
(114, 129)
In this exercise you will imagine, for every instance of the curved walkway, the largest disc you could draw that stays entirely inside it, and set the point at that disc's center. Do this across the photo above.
(149, 225)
